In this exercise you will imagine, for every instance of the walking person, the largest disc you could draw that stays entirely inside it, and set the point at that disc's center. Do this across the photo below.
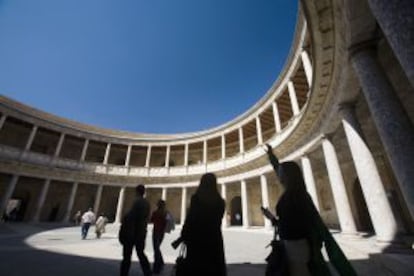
(100, 225)
(133, 232)
(201, 231)
(159, 219)
(88, 218)
(77, 217)
(300, 227)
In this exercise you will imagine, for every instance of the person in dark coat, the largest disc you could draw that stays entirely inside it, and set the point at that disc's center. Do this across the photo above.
(300, 226)
(201, 231)
(133, 232)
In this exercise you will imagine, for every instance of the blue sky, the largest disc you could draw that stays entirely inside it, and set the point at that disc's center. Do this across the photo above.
(155, 66)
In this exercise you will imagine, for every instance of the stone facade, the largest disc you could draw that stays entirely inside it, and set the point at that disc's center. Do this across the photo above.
(54, 167)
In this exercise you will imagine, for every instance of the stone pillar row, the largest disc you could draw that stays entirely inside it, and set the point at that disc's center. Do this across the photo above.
(380, 211)
(259, 132)
(394, 126)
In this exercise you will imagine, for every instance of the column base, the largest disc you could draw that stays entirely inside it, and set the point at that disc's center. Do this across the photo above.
(350, 235)
(396, 245)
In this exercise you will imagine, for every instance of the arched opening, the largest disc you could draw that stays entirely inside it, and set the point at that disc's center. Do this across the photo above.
(236, 214)
(16, 208)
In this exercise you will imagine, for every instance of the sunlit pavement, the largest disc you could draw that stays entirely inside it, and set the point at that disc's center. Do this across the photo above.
(46, 249)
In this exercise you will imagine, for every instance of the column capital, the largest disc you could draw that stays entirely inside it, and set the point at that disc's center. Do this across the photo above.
(346, 106)
(327, 136)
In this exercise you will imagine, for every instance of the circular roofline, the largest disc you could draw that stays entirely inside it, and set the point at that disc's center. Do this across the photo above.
(273, 91)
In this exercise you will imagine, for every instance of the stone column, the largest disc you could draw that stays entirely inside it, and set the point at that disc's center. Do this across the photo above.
(310, 180)
(223, 146)
(107, 152)
(293, 98)
(224, 196)
(67, 216)
(186, 154)
(241, 140)
(395, 17)
(84, 150)
(343, 208)
(120, 206)
(394, 127)
(31, 138)
(148, 159)
(164, 194)
(276, 117)
(8, 193)
(379, 208)
(167, 156)
(183, 205)
(205, 151)
(128, 156)
(41, 201)
(59, 145)
(245, 208)
(265, 198)
(307, 66)
(97, 199)
(259, 131)
(2, 120)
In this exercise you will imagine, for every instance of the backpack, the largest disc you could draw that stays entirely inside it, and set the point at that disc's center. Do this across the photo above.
(170, 223)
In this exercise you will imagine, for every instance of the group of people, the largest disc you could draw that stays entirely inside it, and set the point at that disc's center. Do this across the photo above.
(133, 233)
(87, 219)
(297, 222)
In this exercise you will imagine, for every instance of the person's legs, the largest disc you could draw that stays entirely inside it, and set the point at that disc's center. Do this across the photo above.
(143, 260)
(126, 259)
(159, 245)
(86, 229)
(158, 260)
(83, 231)
(298, 255)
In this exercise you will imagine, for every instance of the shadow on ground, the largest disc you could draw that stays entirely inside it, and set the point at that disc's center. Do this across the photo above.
(19, 259)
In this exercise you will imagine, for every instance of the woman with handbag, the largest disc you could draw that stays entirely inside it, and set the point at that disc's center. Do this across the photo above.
(201, 232)
(300, 227)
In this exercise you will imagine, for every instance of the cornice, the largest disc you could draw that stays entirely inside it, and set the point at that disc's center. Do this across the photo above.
(322, 19)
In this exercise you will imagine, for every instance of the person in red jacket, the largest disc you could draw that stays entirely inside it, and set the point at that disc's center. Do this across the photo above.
(159, 219)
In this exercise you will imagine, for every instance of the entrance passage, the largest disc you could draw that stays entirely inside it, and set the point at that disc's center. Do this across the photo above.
(236, 211)
(15, 210)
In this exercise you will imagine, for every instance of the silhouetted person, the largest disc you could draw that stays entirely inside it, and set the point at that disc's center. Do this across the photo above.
(301, 228)
(202, 230)
(100, 225)
(88, 218)
(77, 217)
(159, 219)
(134, 231)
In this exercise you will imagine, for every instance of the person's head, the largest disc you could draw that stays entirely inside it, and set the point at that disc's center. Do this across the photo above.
(290, 176)
(90, 209)
(208, 186)
(161, 204)
(140, 190)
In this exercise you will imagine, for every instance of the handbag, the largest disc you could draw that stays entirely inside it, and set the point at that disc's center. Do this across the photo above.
(180, 267)
(277, 263)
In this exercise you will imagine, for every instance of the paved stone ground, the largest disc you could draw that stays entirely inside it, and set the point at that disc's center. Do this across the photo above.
(42, 249)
